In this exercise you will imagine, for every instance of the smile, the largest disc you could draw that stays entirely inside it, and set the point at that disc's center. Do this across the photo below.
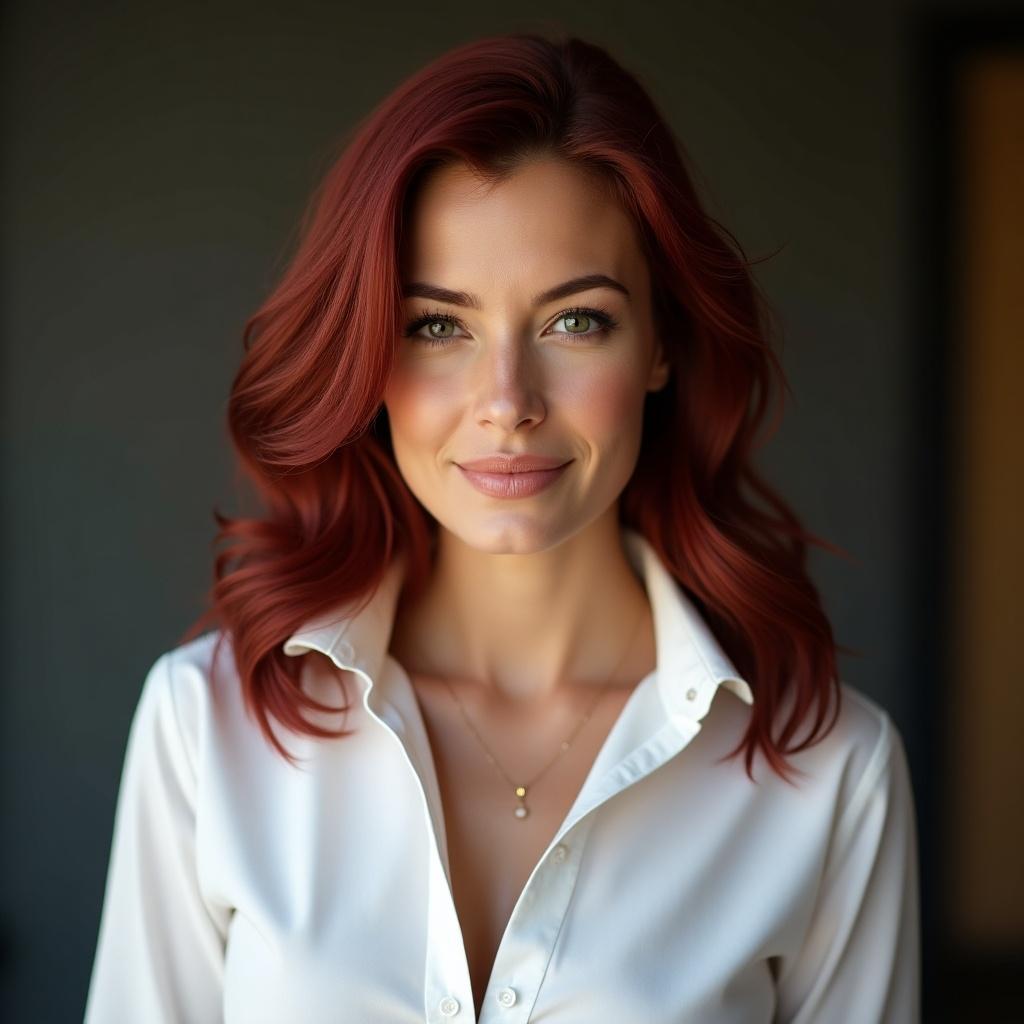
(513, 485)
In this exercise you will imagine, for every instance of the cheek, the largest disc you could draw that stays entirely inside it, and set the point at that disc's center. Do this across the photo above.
(605, 403)
(419, 408)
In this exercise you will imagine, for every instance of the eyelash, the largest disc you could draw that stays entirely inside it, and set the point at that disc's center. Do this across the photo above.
(606, 323)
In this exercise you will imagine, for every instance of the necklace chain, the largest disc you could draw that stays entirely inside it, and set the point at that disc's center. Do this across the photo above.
(521, 789)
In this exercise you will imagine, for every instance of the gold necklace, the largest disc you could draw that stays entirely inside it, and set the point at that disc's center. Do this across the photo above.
(521, 789)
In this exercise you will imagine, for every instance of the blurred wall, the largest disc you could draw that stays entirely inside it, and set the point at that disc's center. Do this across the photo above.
(986, 834)
(156, 160)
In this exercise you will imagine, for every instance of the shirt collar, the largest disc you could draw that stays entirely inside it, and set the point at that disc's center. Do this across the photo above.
(691, 663)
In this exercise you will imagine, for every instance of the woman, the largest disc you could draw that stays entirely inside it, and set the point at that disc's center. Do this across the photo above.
(501, 410)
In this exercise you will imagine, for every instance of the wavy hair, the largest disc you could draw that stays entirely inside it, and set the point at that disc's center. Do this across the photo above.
(307, 420)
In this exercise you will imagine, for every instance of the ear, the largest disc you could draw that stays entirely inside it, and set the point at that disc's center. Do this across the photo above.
(660, 370)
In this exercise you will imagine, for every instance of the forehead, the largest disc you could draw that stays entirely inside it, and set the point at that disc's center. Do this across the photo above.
(549, 220)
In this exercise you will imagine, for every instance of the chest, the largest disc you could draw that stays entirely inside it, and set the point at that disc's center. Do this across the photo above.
(492, 851)
(673, 891)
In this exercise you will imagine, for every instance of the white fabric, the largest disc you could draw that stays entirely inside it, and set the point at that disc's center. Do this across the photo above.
(243, 890)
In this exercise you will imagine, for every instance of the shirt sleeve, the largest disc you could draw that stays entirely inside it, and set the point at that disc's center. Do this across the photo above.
(860, 959)
(160, 951)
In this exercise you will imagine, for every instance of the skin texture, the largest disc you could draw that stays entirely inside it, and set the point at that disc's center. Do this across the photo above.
(533, 609)
(530, 592)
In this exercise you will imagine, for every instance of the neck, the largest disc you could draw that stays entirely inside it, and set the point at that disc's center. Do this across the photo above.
(527, 625)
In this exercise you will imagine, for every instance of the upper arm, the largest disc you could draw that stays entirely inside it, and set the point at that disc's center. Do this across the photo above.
(860, 958)
(160, 950)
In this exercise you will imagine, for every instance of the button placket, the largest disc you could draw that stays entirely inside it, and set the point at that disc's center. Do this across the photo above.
(507, 997)
(533, 931)
(449, 1006)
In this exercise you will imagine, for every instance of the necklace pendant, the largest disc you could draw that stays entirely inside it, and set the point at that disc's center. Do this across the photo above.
(522, 810)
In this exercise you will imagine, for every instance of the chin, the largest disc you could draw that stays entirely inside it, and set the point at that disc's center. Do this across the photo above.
(507, 533)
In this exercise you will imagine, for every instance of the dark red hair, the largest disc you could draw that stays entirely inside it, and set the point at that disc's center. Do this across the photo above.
(306, 408)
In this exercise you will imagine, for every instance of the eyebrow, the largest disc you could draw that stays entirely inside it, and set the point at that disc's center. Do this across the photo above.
(424, 290)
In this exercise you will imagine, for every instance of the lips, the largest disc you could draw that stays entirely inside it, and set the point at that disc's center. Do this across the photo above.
(509, 463)
(513, 476)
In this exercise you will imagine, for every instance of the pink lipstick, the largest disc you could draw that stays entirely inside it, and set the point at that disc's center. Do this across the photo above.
(513, 476)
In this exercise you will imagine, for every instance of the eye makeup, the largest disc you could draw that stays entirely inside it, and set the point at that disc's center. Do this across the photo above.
(605, 324)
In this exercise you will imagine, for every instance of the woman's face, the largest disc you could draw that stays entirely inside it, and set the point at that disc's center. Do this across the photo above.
(498, 367)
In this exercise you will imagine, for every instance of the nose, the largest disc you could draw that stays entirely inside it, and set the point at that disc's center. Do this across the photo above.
(508, 389)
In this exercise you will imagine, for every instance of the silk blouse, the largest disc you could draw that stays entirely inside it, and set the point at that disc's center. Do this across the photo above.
(242, 889)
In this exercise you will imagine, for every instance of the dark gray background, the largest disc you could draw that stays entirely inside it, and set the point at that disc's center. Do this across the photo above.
(156, 160)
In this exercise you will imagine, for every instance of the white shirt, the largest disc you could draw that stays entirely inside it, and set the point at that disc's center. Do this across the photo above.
(243, 890)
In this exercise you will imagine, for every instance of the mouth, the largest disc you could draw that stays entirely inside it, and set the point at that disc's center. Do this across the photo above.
(513, 485)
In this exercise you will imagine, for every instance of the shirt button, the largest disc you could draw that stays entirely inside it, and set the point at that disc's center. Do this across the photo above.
(507, 997)
(449, 1006)
(345, 651)
(559, 852)
(691, 694)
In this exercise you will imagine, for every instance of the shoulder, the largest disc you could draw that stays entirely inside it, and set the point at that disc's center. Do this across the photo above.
(874, 760)
(859, 764)
(863, 734)
(192, 670)
(832, 778)
(196, 692)
(188, 691)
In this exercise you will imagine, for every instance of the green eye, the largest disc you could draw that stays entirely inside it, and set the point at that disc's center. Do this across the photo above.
(581, 322)
(432, 321)
(573, 322)
(443, 324)
(585, 322)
